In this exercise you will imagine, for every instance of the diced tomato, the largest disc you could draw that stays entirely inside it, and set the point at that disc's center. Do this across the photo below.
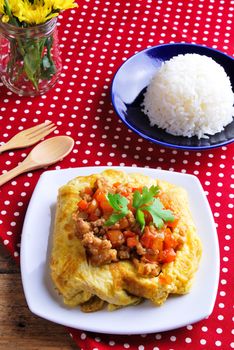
(169, 240)
(137, 189)
(147, 241)
(147, 238)
(88, 190)
(150, 257)
(93, 216)
(151, 240)
(116, 237)
(123, 223)
(167, 255)
(83, 204)
(130, 207)
(174, 223)
(125, 194)
(132, 242)
(148, 217)
(128, 233)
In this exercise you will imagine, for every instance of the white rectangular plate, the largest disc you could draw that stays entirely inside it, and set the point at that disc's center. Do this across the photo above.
(178, 311)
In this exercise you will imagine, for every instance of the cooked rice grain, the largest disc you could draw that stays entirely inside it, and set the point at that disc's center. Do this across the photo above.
(190, 95)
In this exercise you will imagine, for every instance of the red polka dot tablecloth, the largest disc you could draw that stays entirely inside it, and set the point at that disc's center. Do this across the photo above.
(95, 40)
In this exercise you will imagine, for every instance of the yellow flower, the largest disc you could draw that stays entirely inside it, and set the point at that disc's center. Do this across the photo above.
(1, 6)
(63, 5)
(37, 11)
(5, 18)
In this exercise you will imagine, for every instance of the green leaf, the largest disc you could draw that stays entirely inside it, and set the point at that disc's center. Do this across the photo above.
(46, 62)
(146, 196)
(158, 213)
(140, 217)
(32, 63)
(118, 202)
(120, 206)
(136, 199)
(47, 68)
(114, 218)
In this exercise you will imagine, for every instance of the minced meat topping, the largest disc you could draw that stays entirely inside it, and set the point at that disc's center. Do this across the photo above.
(120, 222)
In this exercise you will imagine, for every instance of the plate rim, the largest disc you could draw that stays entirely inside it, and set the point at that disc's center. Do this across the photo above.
(154, 329)
(149, 138)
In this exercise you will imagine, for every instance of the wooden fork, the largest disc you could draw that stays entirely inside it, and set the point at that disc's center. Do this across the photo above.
(29, 136)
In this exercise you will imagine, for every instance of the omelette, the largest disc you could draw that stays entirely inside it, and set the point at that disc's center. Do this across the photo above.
(120, 239)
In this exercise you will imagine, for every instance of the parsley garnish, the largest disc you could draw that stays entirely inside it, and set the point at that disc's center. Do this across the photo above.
(120, 206)
(144, 201)
(147, 202)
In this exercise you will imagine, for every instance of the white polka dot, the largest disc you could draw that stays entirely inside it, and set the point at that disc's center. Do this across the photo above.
(218, 343)
(158, 336)
(188, 340)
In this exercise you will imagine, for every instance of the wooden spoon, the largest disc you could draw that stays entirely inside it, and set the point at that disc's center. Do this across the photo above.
(45, 153)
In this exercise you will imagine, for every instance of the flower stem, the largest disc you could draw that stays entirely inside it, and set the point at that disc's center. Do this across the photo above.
(14, 22)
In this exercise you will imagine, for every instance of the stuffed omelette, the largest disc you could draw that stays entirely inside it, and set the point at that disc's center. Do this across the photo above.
(121, 238)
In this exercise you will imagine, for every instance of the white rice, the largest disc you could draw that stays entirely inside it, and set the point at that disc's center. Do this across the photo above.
(190, 95)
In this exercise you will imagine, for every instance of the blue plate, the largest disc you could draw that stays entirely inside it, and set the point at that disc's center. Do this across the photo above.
(132, 78)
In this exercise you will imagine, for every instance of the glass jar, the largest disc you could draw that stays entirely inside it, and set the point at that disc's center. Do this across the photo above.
(30, 62)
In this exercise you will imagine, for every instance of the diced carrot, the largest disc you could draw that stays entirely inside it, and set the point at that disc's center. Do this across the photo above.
(99, 196)
(116, 184)
(83, 204)
(105, 206)
(132, 242)
(157, 244)
(93, 205)
(164, 279)
(116, 237)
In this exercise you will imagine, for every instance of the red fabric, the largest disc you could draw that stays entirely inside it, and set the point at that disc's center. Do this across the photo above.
(95, 39)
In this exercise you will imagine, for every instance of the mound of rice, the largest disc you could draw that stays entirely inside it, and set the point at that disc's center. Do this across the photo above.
(190, 95)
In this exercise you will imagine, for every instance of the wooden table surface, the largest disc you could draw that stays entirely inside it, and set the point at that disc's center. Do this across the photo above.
(19, 328)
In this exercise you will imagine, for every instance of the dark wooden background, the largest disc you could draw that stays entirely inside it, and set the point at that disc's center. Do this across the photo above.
(19, 328)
